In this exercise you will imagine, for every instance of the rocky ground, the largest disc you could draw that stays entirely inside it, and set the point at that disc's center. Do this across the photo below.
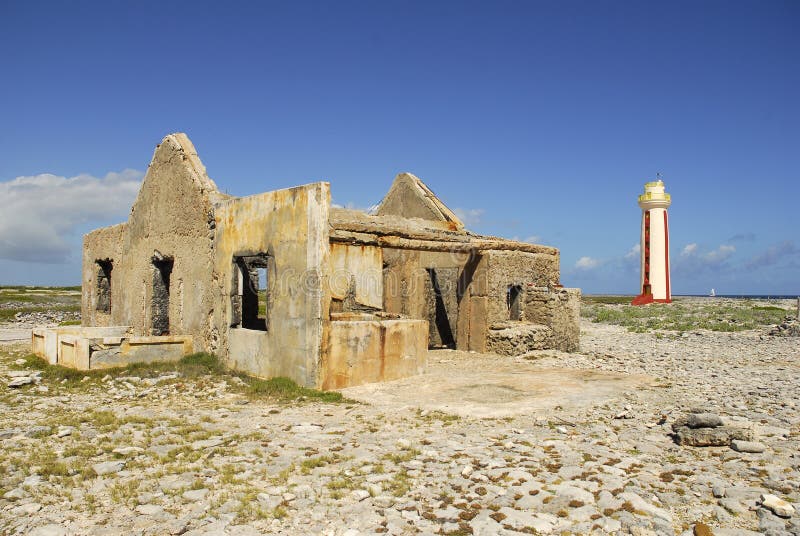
(161, 453)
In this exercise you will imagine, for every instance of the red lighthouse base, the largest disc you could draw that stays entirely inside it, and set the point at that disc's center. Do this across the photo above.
(644, 299)
(647, 297)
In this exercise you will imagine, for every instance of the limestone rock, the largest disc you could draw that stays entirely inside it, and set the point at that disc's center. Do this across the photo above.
(15, 494)
(194, 495)
(207, 443)
(107, 468)
(747, 446)
(703, 420)
(711, 437)
(127, 451)
(19, 382)
(778, 506)
(643, 506)
(49, 530)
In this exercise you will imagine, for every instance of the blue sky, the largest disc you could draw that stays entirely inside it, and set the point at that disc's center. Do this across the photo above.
(536, 120)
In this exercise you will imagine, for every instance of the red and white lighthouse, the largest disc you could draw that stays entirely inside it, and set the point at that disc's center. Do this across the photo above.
(654, 245)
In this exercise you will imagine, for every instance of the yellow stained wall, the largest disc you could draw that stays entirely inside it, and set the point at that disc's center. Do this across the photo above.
(291, 226)
(361, 265)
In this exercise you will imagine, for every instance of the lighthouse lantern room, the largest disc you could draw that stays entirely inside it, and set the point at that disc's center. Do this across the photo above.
(654, 245)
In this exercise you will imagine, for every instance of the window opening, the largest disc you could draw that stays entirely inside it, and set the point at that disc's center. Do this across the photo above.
(162, 272)
(514, 300)
(104, 268)
(250, 301)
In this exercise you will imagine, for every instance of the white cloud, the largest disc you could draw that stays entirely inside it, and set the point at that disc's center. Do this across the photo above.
(587, 263)
(354, 206)
(470, 216)
(695, 259)
(38, 212)
(719, 255)
(533, 239)
(634, 252)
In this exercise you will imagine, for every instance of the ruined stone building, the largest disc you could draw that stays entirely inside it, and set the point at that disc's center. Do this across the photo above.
(284, 284)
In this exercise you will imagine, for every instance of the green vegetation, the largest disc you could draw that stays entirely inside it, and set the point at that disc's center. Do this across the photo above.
(20, 299)
(24, 288)
(190, 366)
(38, 300)
(732, 316)
(7, 315)
(306, 466)
(287, 390)
(621, 300)
(401, 457)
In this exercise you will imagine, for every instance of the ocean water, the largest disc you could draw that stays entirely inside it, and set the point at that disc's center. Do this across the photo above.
(743, 296)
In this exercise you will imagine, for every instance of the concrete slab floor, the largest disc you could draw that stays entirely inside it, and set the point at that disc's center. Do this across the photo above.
(491, 386)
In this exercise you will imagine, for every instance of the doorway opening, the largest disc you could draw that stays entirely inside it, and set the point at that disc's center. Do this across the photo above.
(441, 330)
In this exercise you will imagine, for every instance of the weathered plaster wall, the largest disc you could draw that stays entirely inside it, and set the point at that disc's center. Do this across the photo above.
(367, 351)
(395, 261)
(409, 278)
(291, 226)
(409, 197)
(101, 244)
(474, 293)
(172, 218)
(403, 283)
(360, 267)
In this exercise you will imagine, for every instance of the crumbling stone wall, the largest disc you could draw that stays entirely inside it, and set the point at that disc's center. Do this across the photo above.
(566, 318)
(172, 218)
(505, 269)
(356, 277)
(181, 264)
(470, 299)
(558, 308)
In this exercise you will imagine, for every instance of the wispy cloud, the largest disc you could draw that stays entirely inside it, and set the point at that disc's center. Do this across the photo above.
(773, 255)
(634, 252)
(532, 239)
(39, 212)
(470, 216)
(696, 259)
(587, 263)
(712, 257)
(721, 254)
(354, 206)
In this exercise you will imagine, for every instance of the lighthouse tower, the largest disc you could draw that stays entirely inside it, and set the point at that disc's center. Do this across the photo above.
(655, 245)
